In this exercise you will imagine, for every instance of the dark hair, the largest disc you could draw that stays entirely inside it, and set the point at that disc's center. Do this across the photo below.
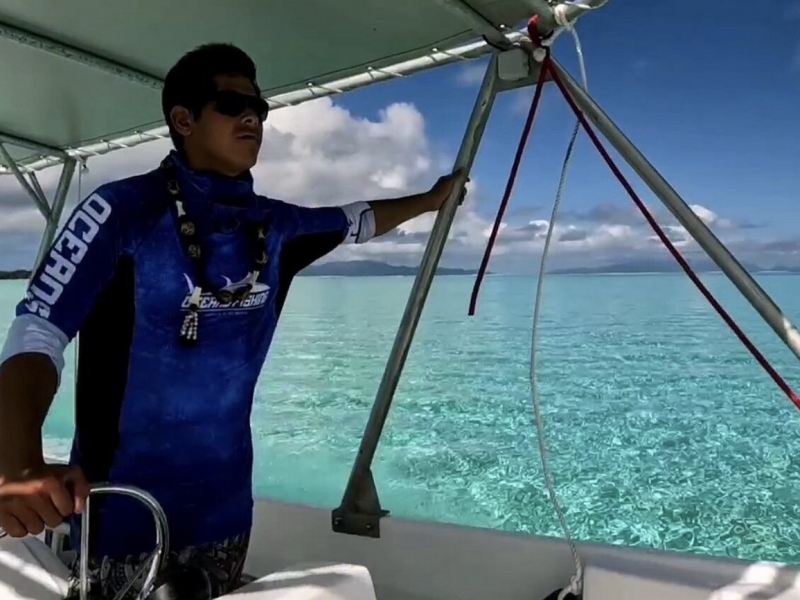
(190, 82)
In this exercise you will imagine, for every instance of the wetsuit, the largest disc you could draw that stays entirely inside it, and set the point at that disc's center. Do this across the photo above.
(151, 411)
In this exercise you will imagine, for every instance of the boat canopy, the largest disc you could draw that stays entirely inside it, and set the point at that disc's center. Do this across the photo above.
(87, 74)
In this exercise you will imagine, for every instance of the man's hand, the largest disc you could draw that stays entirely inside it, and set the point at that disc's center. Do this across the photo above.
(41, 497)
(442, 189)
(391, 213)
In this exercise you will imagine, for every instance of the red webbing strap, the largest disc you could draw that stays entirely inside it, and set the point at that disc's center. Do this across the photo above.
(546, 66)
(512, 179)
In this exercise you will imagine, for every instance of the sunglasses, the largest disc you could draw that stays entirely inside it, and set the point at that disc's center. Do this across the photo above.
(234, 104)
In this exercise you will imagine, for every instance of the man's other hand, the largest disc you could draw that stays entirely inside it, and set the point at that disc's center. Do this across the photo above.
(442, 189)
(41, 497)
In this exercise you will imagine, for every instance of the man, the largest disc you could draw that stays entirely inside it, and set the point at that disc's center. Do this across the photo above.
(175, 280)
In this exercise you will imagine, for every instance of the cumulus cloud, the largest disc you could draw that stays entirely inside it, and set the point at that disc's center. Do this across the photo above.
(319, 153)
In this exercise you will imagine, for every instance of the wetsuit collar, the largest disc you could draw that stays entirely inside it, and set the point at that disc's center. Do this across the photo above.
(213, 188)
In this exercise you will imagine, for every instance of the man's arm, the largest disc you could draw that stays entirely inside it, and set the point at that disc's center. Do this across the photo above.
(28, 383)
(396, 211)
(61, 294)
(314, 232)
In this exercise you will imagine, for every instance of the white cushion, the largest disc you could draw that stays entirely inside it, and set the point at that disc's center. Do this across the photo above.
(31, 570)
(613, 578)
(311, 582)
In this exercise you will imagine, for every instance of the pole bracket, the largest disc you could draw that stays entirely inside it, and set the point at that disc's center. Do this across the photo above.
(360, 514)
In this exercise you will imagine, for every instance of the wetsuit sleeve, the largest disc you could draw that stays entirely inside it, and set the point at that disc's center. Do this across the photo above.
(314, 232)
(62, 291)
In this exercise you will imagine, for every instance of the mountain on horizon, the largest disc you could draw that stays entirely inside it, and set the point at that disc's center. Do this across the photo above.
(370, 268)
(646, 265)
(16, 274)
(374, 268)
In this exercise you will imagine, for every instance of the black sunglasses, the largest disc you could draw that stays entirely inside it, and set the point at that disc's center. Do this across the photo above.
(234, 104)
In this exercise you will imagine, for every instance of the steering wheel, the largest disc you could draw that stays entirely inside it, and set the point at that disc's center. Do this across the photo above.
(156, 561)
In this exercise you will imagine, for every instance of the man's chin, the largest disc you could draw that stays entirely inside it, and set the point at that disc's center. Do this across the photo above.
(243, 163)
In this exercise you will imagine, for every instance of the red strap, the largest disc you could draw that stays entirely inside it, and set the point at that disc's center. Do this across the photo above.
(546, 66)
(512, 179)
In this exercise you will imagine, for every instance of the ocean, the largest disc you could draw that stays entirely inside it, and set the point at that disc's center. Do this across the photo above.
(662, 429)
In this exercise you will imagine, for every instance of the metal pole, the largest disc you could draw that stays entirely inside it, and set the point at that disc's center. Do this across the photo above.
(361, 476)
(21, 142)
(754, 294)
(572, 12)
(40, 201)
(56, 48)
(59, 200)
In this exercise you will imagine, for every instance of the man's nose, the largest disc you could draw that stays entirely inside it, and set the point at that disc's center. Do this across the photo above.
(251, 118)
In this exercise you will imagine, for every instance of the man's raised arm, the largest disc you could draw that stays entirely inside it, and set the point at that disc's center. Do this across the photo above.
(396, 211)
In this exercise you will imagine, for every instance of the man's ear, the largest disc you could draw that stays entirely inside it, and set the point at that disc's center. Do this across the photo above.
(182, 120)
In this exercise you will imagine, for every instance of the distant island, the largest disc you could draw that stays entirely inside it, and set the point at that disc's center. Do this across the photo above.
(370, 268)
(18, 274)
(662, 266)
(374, 268)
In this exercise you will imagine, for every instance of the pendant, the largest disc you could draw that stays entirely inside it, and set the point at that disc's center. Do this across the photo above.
(191, 321)
(189, 328)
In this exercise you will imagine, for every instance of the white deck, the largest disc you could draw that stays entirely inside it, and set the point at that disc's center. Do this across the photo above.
(295, 556)
(429, 561)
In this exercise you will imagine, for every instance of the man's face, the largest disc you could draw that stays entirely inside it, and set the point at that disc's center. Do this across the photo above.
(227, 135)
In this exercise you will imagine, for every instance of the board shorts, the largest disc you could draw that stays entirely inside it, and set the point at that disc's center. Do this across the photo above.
(201, 572)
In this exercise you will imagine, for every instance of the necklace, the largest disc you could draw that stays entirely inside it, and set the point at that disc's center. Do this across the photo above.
(190, 242)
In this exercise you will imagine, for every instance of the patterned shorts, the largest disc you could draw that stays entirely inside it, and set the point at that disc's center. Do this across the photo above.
(200, 572)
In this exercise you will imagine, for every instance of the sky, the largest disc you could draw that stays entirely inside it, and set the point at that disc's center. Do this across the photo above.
(709, 91)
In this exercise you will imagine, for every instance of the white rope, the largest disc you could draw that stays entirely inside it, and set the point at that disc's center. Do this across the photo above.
(576, 583)
(564, 24)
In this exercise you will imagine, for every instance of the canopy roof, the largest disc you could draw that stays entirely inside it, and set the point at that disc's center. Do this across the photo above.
(86, 71)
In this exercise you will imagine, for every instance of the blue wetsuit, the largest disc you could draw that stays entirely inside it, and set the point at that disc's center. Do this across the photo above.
(151, 412)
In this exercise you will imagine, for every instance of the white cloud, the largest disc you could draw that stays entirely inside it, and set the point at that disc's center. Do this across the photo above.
(710, 218)
(319, 153)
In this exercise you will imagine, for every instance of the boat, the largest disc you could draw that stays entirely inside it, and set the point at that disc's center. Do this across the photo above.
(85, 79)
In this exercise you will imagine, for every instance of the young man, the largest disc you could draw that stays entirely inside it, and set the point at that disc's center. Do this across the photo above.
(175, 280)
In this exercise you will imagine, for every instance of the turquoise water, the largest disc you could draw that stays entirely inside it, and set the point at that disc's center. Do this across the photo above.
(663, 431)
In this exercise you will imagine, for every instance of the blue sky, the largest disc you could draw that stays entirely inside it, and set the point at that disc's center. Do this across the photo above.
(709, 91)
(710, 95)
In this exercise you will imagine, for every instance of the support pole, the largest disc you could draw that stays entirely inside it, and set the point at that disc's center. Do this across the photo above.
(44, 149)
(360, 510)
(59, 200)
(40, 201)
(73, 53)
(737, 274)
